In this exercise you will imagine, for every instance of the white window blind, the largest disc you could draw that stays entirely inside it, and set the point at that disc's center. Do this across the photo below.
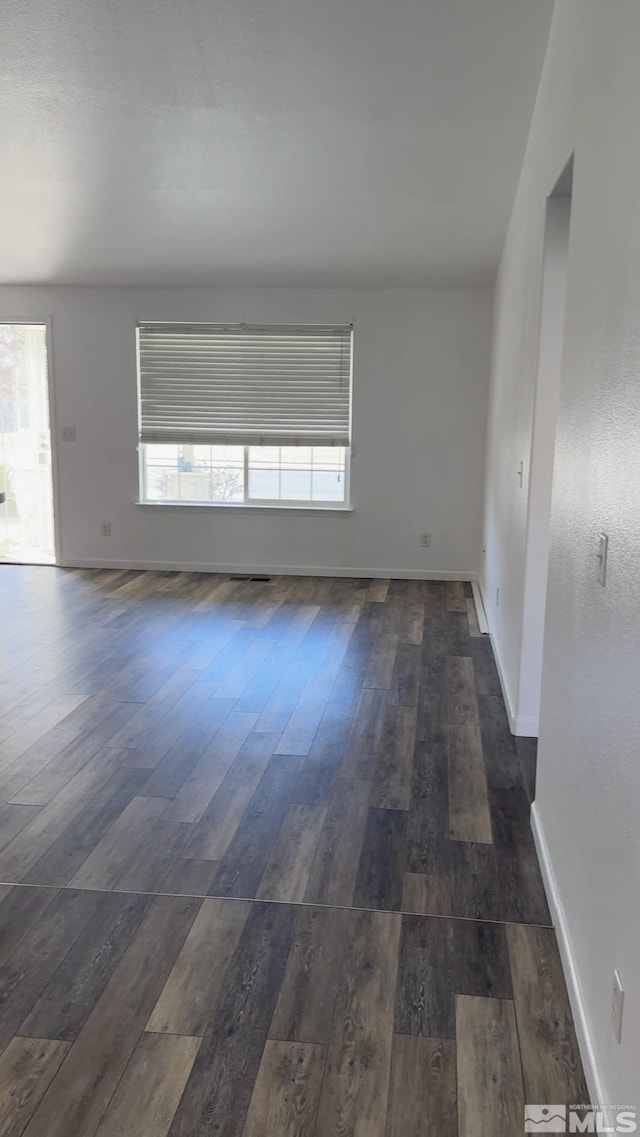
(245, 384)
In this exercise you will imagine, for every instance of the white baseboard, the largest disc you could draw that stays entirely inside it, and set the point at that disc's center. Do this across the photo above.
(272, 570)
(523, 725)
(483, 623)
(597, 1091)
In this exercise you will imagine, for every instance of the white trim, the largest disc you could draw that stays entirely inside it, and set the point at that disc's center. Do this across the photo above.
(523, 725)
(271, 570)
(526, 726)
(253, 504)
(595, 1084)
(55, 453)
(483, 623)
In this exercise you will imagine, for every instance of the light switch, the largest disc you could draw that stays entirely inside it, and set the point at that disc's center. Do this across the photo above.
(601, 555)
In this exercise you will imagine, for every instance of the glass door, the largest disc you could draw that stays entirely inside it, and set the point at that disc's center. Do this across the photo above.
(26, 483)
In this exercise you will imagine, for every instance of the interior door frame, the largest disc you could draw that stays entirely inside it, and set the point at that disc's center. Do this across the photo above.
(47, 323)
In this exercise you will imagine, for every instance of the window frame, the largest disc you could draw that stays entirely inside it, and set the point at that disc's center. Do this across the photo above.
(249, 503)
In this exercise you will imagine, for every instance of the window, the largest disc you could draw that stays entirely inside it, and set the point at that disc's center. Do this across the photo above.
(244, 414)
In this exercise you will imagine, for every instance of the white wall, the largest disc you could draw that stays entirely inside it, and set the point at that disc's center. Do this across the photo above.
(587, 813)
(421, 367)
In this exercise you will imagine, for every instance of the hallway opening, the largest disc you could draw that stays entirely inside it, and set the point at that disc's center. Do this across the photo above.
(546, 409)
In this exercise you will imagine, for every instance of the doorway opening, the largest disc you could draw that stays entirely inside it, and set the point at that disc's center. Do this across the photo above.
(27, 529)
(543, 441)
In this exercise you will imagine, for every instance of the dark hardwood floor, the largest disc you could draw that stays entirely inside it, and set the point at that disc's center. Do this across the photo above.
(267, 864)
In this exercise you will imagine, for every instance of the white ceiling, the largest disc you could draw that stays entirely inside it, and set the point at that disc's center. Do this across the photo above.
(365, 142)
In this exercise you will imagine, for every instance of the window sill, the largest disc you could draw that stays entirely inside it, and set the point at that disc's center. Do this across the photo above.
(249, 507)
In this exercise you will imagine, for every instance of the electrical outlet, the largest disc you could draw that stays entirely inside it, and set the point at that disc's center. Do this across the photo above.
(67, 433)
(617, 1005)
(425, 540)
(106, 528)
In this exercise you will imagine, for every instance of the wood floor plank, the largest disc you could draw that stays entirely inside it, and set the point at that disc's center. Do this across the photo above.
(355, 1089)
(70, 996)
(70, 850)
(304, 1009)
(22, 853)
(154, 710)
(484, 667)
(106, 864)
(189, 877)
(425, 994)
(13, 819)
(240, 676)
(287, 870)
(426, 894)
(523, 895)
(456, 599)
(365, 735)
(469, 817)
(27, 1067)
(382, 860)
(380, 670)
(422, 1095)
(461, 691)
(490, 1092)
(19, 781)
(405, 681)
(394, 766)
(149, 863)
(172, 771)
(498, 744)
(459, 642)
(278, 709)
(428, 842)
(475, 886)
(480, 959)
(550, 1057)
(212, 834)
(432, 696)
(74, 757)
(472, 619)
(205, 777)
(29, 969)
(377, 591)
(259, 690)
(323, 761)
(287, 1089)
(527, 750)
(148, 1093)
(299, 733)
(246, 857)
(20, 908)
(335, 864)
(189, 997)
(53, 715)
(218, 1092)
(77, 1098)
(412, 628)
(156, 742)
